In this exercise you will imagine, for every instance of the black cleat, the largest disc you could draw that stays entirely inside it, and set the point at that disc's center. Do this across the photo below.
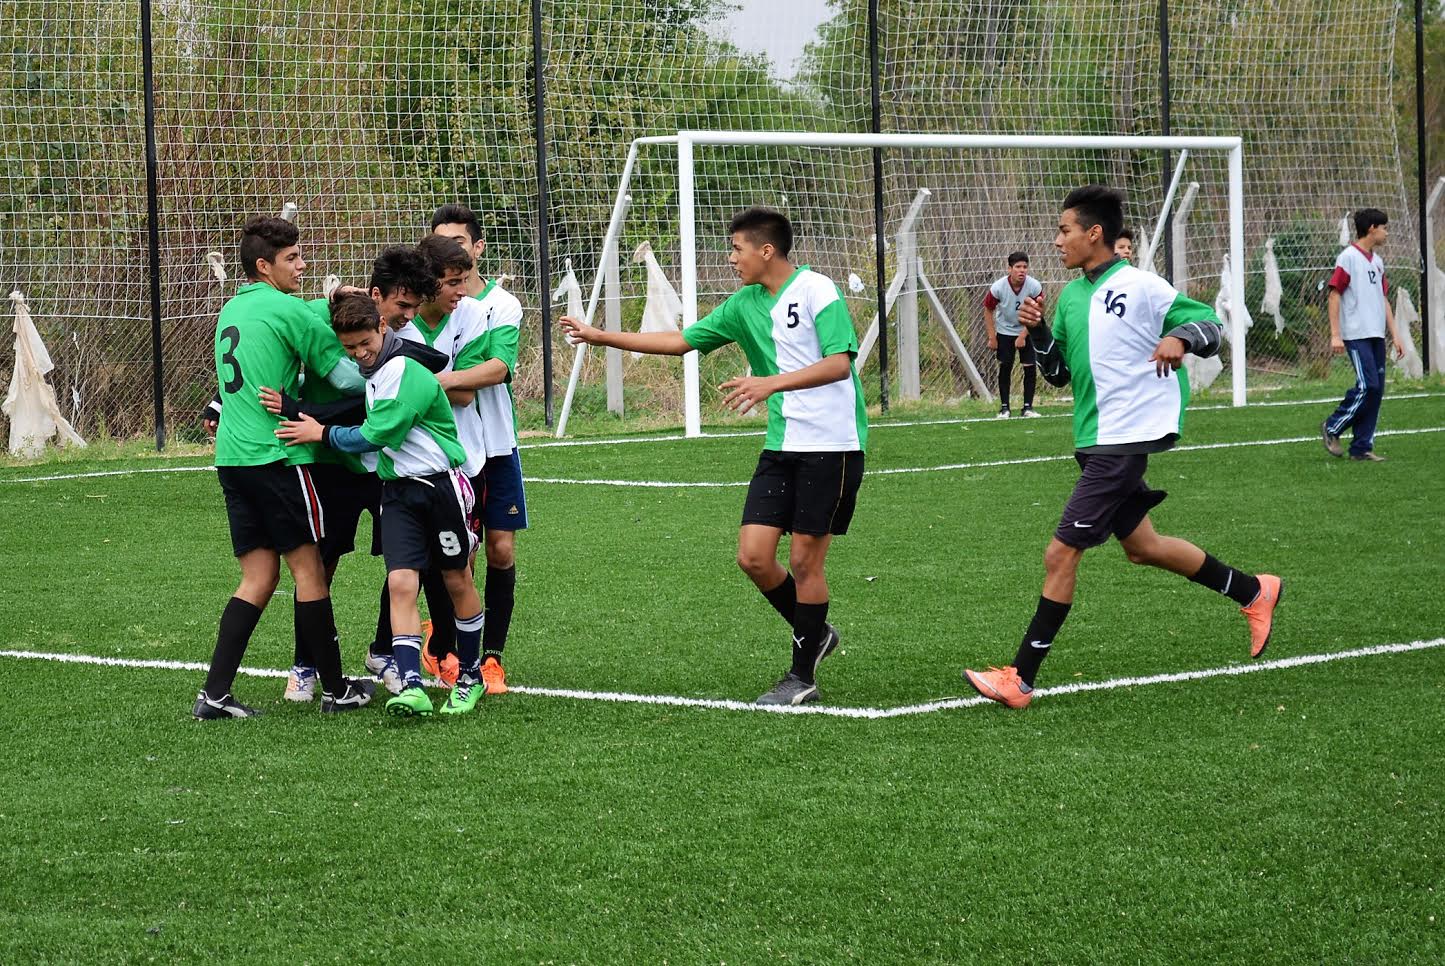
(357, 695)
(831, 640)
(791, 690)
(212, 709)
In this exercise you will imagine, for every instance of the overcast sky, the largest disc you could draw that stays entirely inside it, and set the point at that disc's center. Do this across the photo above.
(776, 28)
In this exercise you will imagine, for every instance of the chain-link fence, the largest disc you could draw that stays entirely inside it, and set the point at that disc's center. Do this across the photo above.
(368, 115)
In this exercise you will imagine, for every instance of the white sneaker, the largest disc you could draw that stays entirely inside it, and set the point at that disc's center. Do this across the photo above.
(384, 668)
(1002, 413)
(1029, 413)
(301, 684)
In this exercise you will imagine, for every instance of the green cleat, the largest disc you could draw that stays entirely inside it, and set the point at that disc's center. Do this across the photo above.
(411, 703)
(464, 696)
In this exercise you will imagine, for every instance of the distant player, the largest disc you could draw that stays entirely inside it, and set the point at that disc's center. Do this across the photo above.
(1360, 317)
(1006, 336)
(1124, 245)
(426, 500)
(480, 378)
(795, 330)
(263, 337)
(1129, 400)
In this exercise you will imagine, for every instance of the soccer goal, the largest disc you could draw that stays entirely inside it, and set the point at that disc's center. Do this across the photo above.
(694, 150)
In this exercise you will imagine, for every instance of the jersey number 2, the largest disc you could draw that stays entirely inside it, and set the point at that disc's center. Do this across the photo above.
(233, 335)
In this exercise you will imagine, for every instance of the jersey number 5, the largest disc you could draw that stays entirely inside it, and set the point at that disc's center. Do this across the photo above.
(793, 314)
(233, 335)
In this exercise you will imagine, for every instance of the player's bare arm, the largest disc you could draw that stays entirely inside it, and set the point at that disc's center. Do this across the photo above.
(653, 343)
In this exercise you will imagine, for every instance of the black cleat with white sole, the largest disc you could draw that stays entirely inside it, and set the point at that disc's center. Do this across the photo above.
(831, 640)
(790, 691)
(213, 709)
(357, 695)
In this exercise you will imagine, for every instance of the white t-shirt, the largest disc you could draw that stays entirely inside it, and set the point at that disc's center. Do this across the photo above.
(1359, 277)
(459, 335)
(1005, 303)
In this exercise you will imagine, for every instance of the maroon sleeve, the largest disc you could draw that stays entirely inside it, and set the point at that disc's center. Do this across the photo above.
(1385, 284)
(1340, 280)
(989, 302)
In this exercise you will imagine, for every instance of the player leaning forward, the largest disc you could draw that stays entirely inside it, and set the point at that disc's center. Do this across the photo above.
(795, 330)
(1119, 335)
(426, 499)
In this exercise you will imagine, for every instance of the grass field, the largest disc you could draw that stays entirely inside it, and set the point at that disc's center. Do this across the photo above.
(1296, 814)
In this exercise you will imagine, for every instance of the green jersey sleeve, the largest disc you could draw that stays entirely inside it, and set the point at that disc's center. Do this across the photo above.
(715, 330)
(1183, 310)
(835, 326)
(317, 345)
(497, 343)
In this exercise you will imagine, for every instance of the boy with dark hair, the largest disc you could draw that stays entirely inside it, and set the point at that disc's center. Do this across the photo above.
(1360, 317)
(1119, 336)
(795, 330)
(1005, 335)
(263, 337)
(425, 499)
(480, 377)
(1124, 245)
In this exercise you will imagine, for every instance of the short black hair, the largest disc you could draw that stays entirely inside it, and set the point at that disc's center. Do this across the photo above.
(458, 215)
(444, 254)
(1367, 218)
(1015, 257)
(263, 237)
(1094, 204)
(354, 312)
(1126, 233)
(403, 266)
(764, 226)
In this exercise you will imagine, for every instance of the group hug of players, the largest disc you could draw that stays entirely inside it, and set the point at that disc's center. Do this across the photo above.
(405, 410)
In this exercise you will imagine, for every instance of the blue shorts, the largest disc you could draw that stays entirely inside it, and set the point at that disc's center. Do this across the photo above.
(501, 502)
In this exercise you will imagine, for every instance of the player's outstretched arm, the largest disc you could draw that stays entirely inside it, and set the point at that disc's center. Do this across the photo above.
(744, 392)
(653, 343)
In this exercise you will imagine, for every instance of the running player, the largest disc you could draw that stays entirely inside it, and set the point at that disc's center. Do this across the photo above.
(1119, 337)
(795, 330)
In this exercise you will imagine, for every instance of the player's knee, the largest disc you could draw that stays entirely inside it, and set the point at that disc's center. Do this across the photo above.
(502, 554)
(753, 564)
(403, 584)
(1059, 557)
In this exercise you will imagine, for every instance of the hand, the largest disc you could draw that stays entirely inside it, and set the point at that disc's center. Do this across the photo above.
(1337, 345)
(1031, 313)
(746, 392)
(1019, 342)
(576, 331)
(270, 400)
(210, 426)
(349, 290)
(993, 341)
(1399, 348)
(1168, 355)
(303, 430)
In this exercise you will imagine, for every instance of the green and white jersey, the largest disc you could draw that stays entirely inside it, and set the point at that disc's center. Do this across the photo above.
(1107, 330)
(460, 335)
(409, 417)
(805, 322)
(502, 330)
(263, 337)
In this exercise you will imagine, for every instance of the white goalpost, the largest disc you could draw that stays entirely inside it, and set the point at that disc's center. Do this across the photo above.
(687, 144)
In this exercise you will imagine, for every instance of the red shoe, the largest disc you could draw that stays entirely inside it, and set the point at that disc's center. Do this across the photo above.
(493, 676)
(445, 670)
(1261, 612)
(1000, 684)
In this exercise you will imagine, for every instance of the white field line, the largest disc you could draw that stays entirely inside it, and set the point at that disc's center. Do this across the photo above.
(735, 435)
(872, 714)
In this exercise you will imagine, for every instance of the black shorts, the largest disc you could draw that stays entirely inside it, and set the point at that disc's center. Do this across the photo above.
(344, 497)
(271, 507)
(1006, 350)
(1110, 499)
(425, 522)
(808, 493)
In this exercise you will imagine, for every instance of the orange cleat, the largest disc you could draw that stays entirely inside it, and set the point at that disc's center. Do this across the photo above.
(1000, 684)
(493, 676)
(1261, 612)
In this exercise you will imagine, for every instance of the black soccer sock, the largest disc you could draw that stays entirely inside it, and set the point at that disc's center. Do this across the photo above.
(808, 632)
(1221, 578)
(299, 657)
(1031, 380)
(381, 646)
(499, 597)
(407, 649)
(316, 626)
(1048, 618)
(784, 598)
(1005, 376)
(238, 621)
(439, 609)
(469, 645)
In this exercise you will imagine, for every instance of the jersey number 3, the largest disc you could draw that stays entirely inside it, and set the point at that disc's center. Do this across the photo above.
(228, 358)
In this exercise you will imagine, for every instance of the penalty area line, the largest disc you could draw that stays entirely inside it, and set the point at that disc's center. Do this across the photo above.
(871, 714)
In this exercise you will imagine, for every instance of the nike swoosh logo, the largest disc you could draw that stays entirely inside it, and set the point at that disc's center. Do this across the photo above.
(1083, 526)
(1040, 645)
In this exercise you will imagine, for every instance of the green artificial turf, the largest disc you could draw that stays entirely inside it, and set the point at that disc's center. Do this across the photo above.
(1293, 815)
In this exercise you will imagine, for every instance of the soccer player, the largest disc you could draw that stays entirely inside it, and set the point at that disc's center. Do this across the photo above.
(1360, 316)
(798, 337)
(1124, 245)
(481, 377)
(401, 278)
(426, 500)
(1005, 335)
(1119, 336)
(263, 336)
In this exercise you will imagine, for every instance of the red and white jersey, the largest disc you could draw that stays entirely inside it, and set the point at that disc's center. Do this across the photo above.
(1359, 277)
